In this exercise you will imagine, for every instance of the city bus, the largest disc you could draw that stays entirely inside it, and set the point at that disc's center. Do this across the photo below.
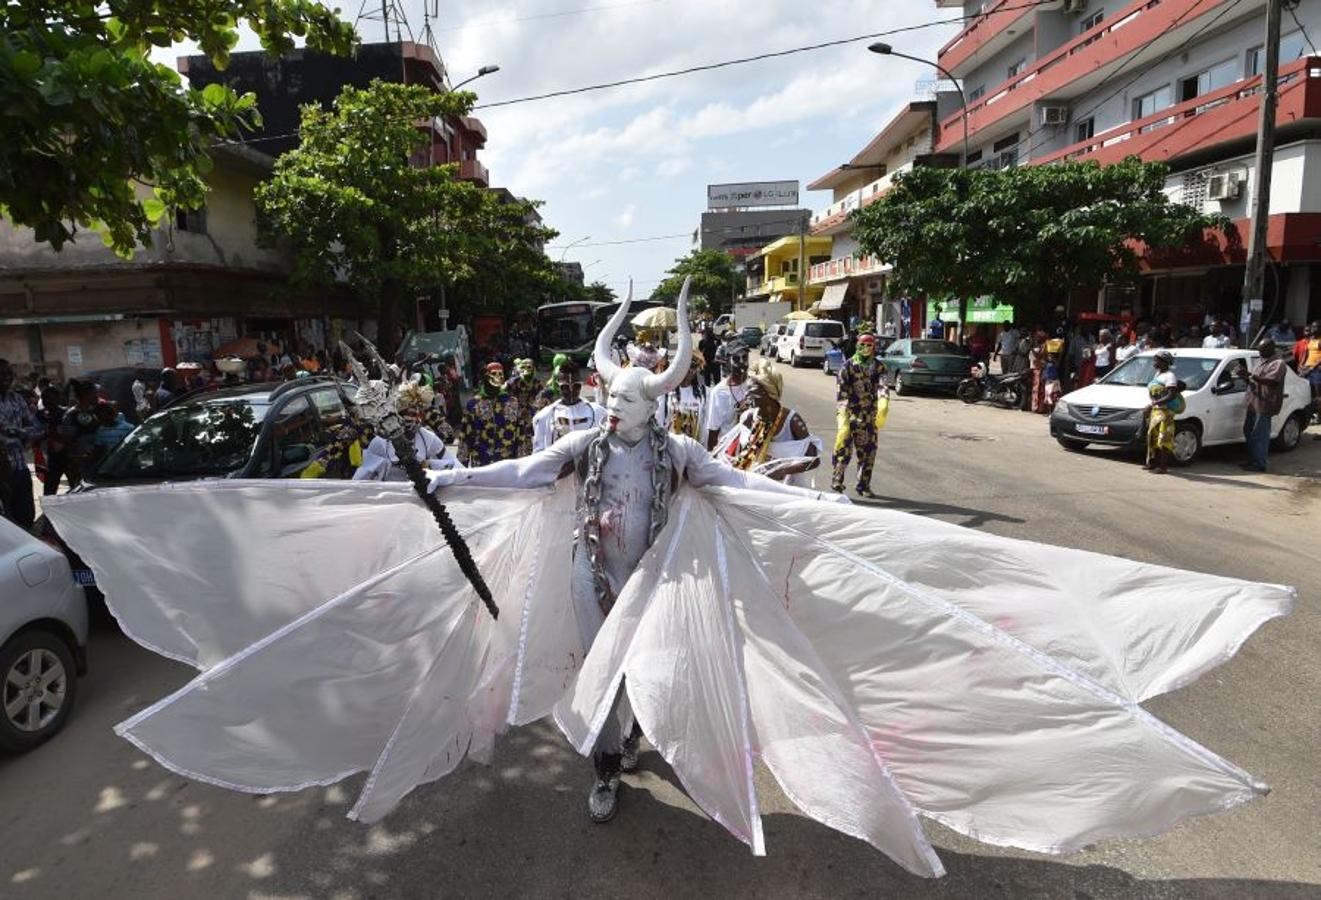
(571, 328)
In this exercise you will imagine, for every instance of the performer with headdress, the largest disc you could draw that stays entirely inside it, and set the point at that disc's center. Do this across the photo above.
(858, 406)
(683, 410)
(379, 460)
(569, 412)
(525, 387)
(490, 428)
(727, 397)
(770, 438)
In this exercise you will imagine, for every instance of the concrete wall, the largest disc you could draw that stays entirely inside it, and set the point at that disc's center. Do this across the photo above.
(1295, 182)
(993, 72)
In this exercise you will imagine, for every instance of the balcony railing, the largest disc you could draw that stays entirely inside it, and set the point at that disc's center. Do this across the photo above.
(994, 19)
(1218, 116)
(1131, 27)
(473, 170)
(869, 193)
(846, 267)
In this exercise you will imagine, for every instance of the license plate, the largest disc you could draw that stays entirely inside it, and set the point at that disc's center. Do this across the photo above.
(947, 378)
(84, 577)
(1092, 429)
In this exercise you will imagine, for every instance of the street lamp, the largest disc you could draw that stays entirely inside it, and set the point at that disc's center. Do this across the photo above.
(887, 50)
(569, 247)
(484, 70)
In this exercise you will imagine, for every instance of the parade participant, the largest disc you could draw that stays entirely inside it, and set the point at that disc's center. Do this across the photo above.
(551, 392)
(525, 387)
(770, 438)
(1166, 403)
(570, 412)
(857, 414)
(489, 430)
(726, 398)
(379, 460)
(19, 427)
(683, 410)
(747, 623)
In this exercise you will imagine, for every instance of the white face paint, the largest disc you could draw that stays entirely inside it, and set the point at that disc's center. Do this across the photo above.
(629, 412)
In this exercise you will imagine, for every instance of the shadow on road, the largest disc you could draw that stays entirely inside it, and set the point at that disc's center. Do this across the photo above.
(964, 515)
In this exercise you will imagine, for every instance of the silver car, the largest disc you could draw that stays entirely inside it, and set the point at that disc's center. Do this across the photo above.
(43, 639)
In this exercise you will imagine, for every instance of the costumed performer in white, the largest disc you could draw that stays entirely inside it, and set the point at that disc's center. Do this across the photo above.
(770, 438)
(882, 666)
(379, 460)
(568, 413)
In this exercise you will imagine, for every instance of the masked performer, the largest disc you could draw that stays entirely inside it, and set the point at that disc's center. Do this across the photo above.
(489, 430)
(379, 461)
(727, 397)
(770, 438)
(857, 407)
(551, 392)
(748, 623)
(525, 387)
(683, 410)
(569, 412)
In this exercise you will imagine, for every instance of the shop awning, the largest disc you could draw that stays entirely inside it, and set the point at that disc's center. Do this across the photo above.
(833, 298)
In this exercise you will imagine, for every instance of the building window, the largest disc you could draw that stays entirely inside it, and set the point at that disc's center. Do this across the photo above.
(1018, 67)
(1091, 21)
(1151, 103)
(1292, 46)
(1084, 130)
(976, 93)
(191, 220)
(1006, 143)
(1212, 79)
(973, 157)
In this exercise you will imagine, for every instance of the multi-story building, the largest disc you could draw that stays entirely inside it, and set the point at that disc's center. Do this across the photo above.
(852, 283)
(1177, 81)
(773, 271)
(284, 83)
(204, 281)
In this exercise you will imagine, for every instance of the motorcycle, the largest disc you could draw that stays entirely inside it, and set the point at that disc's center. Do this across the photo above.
(1004, 390)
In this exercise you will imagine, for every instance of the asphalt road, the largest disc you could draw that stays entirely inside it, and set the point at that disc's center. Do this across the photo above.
(89, 816)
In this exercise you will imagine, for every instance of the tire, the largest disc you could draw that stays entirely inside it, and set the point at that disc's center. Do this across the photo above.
(968, 392)
(793, 361)
(30, 661)
(900, 388)
(1187, 443)
(1291, 434)
(1071, 445)
(1013, 398)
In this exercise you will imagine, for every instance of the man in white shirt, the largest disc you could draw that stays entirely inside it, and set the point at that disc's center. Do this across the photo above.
(1006, 347)
(567, 414)
(1125, 351)
(727, 397)
(1217, 339)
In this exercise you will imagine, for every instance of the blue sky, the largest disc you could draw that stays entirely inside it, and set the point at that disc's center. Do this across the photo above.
(634, 162)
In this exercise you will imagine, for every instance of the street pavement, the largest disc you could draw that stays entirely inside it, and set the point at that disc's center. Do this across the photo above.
(89, 816)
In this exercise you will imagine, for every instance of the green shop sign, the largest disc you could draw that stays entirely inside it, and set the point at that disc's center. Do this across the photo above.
(982, 310)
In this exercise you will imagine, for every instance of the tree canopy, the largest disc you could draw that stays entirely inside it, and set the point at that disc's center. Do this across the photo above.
(355, 201)
(88, 114)
(715, 278)
(1024, 235)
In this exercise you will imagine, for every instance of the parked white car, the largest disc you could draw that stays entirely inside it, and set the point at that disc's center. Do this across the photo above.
(43, 639)
(807, 340)
(1112, 411)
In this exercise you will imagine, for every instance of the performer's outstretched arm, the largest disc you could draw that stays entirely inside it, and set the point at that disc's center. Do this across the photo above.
(538, 470)
(704, 470)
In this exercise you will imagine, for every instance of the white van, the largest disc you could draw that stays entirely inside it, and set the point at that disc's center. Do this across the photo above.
(807, 340)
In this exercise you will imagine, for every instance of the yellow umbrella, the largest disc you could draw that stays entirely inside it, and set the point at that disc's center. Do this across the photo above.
(798, 315)
(656, 317)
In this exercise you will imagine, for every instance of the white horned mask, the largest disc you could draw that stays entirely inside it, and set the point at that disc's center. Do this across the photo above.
(634, 391)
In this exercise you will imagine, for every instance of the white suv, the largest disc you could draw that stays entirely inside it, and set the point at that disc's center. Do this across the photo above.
(807, 340)
(43, 639)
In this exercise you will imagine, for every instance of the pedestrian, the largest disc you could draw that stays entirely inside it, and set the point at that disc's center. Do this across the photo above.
(1124, 349)
(141, 399)
(1265, 399)
(936, 329)
(709, 345)
(169, 388)
(56, 451)
(1006, 346)
(1037, 362)
(78, 429)
(111, 428)
(1309, 362)
(19, 428)
(858, 404)
(1282, 334)
(1217, 339)
(1103, 353)
(1054, 389)
(1166, 404)
(979, 346)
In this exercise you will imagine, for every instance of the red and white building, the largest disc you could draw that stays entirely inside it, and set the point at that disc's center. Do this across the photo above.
(1175, 81)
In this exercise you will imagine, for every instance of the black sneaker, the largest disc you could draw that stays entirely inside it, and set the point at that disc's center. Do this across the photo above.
(628, 759)
(865, 492)
(603, 801)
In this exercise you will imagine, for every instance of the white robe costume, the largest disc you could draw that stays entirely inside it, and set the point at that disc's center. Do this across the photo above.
(559, 419)
(783, 446)
(883, 666)
(381, 463)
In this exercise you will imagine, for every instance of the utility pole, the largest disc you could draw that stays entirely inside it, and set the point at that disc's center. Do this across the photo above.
(802, 259)
(1254, 278)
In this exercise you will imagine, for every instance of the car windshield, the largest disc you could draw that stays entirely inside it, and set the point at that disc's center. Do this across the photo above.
(189, 441)
(1194, 371)
(752, 329)
(825, 330)
(936, 348)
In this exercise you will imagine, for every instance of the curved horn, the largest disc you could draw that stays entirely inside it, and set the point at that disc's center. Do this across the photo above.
(657, 386)
(605, 366)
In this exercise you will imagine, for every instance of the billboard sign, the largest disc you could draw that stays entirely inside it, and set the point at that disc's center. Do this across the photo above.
(752, 193)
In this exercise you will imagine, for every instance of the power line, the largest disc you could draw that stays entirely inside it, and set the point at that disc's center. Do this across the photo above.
(659, 237)
(774, 54)
(1291, 10)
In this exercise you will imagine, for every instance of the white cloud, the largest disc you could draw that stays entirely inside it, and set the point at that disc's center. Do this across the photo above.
(625, 219)
(675, 165)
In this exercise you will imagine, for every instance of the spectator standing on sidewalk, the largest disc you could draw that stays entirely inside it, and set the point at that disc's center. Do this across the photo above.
(1217, 339)
(1006, 349)
(18, 428)
(57, 450)
(1265, 399)
(1104, 353)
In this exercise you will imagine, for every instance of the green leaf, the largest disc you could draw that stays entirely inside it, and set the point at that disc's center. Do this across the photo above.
(215, 94)
(154, 209)
(25, 63)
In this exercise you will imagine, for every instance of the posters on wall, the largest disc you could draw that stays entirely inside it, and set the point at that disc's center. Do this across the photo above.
(143, 352)
(75, 352)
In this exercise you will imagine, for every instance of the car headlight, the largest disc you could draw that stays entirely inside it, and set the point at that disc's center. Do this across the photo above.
(1061, 408)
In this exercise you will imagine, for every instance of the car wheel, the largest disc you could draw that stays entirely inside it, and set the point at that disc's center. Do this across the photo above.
(793, 361)
(1187, 443)
(900, 387)
(1291, 433)
(38, 682)
(1071, 445)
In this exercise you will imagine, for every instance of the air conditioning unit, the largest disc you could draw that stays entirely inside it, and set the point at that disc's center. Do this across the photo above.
(1054, 115)
(1225, 186)
(1074, 6)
